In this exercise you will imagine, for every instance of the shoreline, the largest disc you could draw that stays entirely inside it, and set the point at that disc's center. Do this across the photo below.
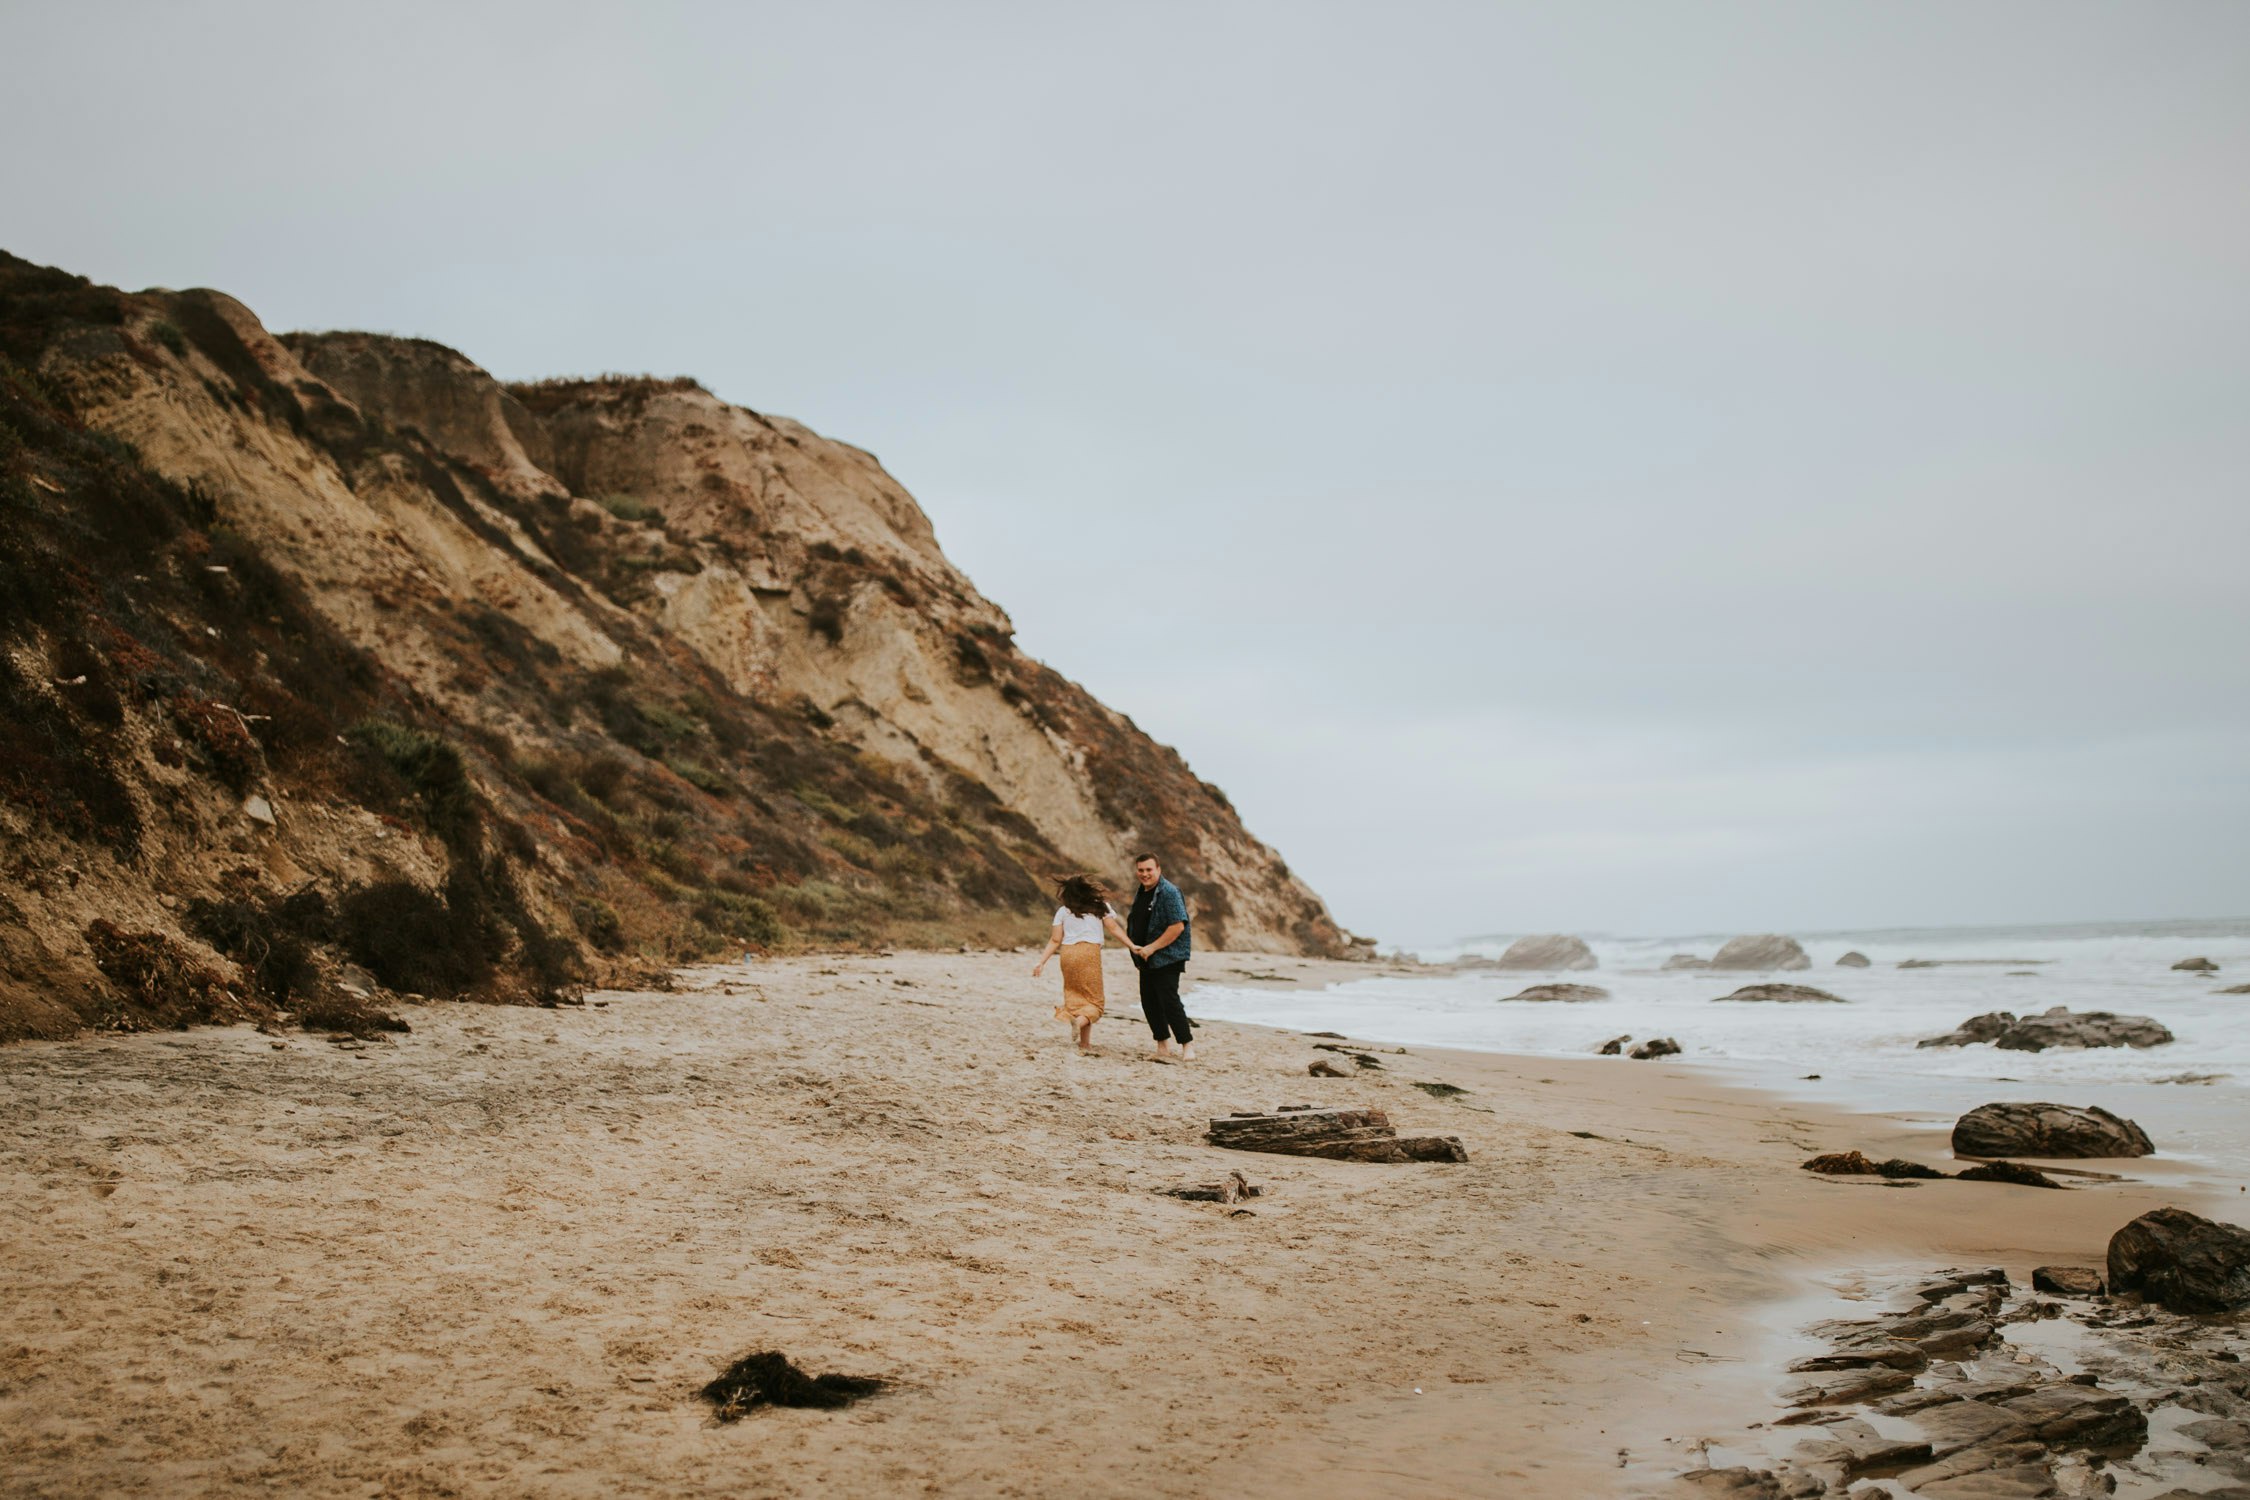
(499, 1254)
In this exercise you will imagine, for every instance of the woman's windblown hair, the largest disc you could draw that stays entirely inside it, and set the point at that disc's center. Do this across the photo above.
(1082, 896)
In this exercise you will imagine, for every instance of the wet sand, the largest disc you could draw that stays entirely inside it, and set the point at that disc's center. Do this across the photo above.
(498, 1256)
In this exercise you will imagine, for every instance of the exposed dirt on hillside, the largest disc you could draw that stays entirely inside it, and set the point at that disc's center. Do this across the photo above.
(333, 670)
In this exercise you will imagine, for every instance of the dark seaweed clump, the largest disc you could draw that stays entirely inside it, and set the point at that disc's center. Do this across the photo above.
(768, 1378)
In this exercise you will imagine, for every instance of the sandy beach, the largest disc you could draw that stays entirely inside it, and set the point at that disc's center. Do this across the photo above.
(498, 1256)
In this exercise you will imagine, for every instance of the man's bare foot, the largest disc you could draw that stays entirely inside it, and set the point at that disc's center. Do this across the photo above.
(1187, 1053)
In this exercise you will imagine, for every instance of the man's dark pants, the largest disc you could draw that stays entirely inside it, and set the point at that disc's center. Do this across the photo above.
(1160, 1002)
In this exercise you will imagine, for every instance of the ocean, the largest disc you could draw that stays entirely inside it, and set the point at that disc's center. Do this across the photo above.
(2192, 1094)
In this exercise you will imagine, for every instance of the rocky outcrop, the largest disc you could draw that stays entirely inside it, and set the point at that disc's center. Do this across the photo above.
(2234, 989)
(1576, 994)
(2197, 966)
(1763, 951)
(1685, 961)
(2057, 1026)
(1662, 1046)
(2182, 1261)
(2048, 1130)
(1953, 1410)
(1853, 960)
(1549, 953)
(1784, 994)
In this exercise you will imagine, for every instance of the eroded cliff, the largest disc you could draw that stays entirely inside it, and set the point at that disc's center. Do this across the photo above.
(330, 646)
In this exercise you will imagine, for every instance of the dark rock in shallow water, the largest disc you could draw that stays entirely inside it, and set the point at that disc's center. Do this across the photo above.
(1572, 993)
(1686, 961)
(2182, 1261)
(1613, 1046)
(1853, 960)
(2057, 1026)
(1551, 953)
(1984, 1028)
(1785, 994)
(2234, 989)
(1660, 1046)
(2067, 1281)
(2051, 1130)
(2197, 966)
(1763, 951)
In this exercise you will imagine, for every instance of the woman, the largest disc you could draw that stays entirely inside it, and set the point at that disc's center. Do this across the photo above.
(1077, 934)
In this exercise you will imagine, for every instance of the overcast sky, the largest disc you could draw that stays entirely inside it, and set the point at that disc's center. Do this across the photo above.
(1613, 468)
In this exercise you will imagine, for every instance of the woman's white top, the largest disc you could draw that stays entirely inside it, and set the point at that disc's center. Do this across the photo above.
(1078, 929)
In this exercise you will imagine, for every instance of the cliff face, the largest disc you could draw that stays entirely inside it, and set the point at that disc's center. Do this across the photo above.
(608, 673)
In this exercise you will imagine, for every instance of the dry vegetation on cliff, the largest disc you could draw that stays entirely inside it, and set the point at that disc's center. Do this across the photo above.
(331, 655)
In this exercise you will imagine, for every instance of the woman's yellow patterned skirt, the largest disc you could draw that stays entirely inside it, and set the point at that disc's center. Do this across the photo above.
(1082, 983)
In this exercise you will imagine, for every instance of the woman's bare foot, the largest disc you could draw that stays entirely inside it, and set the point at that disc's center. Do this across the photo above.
(1187, 1053)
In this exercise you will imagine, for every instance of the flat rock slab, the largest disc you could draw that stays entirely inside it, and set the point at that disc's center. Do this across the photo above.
(2033, 1481)
(1858, 1448)
(2079, 1416)
(1964, 1424)
(1846, 1386)
(1337, 1134)
(2067, 1281)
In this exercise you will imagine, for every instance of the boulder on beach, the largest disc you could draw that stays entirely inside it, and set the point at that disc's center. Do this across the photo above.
(2197, 966)
(1662, 1046)
(1551, 953)
(1853, 960)
(1784, 994)
(1767, 950)
(1573, 993)
(2182, 1261)
(1686, 961)
(2049, 1130)
(2057, 1026)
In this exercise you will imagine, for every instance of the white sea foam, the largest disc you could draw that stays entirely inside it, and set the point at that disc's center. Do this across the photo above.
(1865, 1050)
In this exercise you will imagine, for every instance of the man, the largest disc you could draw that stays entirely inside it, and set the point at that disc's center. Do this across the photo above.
(1157, 928)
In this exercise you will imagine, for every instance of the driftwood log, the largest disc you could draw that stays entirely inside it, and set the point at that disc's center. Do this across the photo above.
(1340, 1134)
